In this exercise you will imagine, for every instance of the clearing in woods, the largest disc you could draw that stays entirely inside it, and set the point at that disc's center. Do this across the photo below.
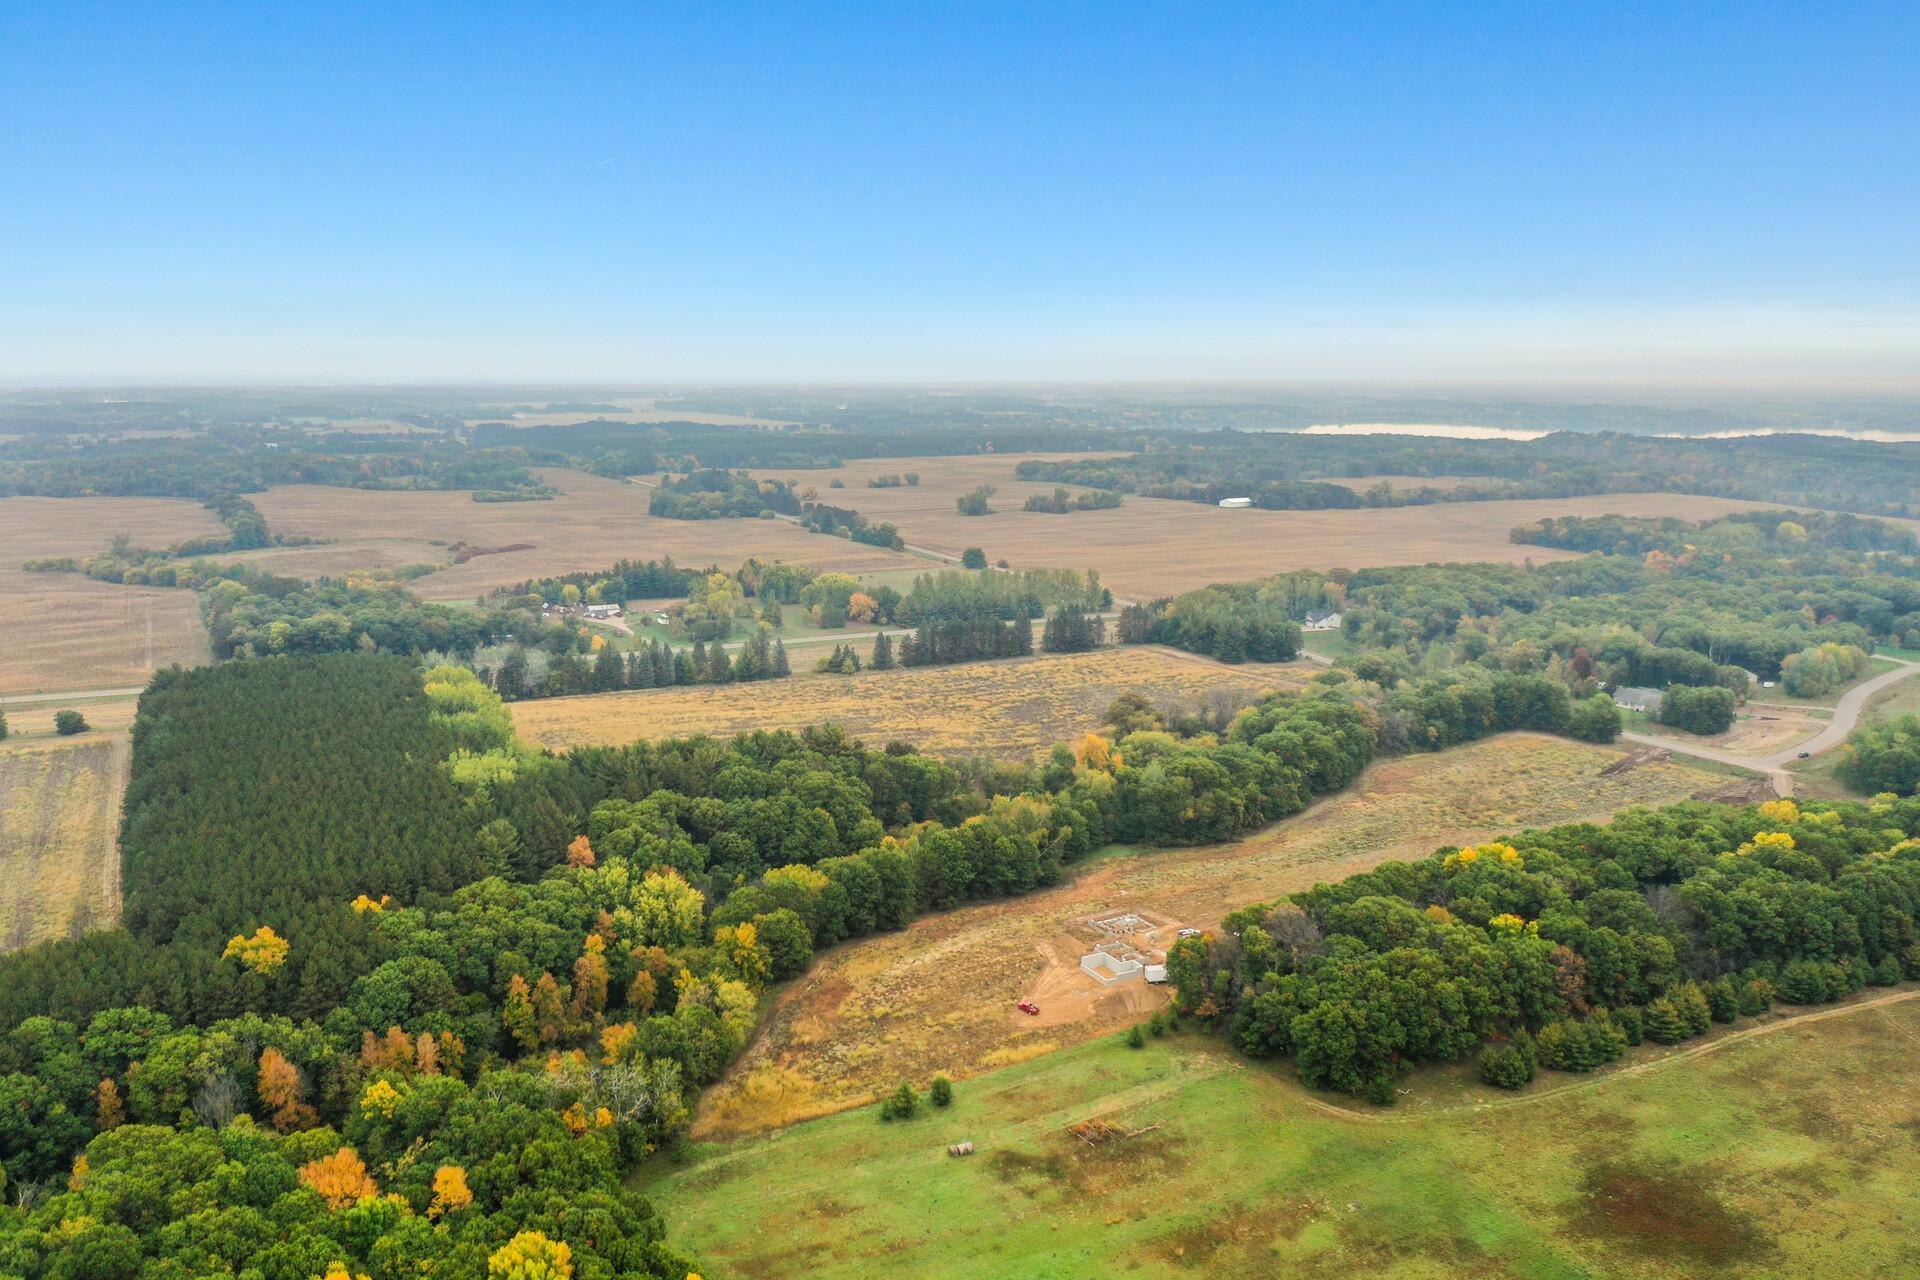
(1006, 709)
(62, 630)
(59, 836)
(1150, 547)
(1788, 1154)
(939, 996)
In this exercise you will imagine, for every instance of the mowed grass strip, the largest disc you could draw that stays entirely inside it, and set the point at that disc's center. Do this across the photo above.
(59, 837)
(1006, 709)
(939, 996)
(1788, 1154)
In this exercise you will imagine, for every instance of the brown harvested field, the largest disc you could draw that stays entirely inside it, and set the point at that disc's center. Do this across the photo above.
(64, 631)
(1152, 547)
(593, 522)
(940, 995)
(1006, 709)
(59, 836)
(336, 559)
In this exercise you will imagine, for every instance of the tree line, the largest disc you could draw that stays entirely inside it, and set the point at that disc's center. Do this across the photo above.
(1559, 948)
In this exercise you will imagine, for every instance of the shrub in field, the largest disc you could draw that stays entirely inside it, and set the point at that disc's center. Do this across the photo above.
(68, 723)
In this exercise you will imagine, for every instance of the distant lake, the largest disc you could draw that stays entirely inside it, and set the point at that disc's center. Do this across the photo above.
(1447, 430)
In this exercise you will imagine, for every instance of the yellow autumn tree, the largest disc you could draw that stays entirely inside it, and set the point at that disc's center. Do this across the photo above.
(1785, 812)
(517, 1015)
(617, 1039)
(109, 1111)
(379, 1099)
(590, 978)
(263, 952)
(450, 1193)
(1095, 752)
(364, 904)
(341, 1179)
(740, 944)
(531, 1256)
(338, 1271)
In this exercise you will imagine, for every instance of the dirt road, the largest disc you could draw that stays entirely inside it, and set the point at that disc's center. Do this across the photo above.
(1846, 714)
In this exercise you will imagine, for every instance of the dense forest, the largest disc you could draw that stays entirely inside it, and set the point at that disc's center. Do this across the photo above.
(1559, 948)
(1281, 469)
(1758, 593)
(376, 945)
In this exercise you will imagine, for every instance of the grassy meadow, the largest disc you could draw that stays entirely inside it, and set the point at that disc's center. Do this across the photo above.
(1787, 1153)
(59, 836)
(940, 994)
(1009, 708)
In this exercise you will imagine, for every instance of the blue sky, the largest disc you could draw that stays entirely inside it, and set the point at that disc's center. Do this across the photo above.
(896, 192)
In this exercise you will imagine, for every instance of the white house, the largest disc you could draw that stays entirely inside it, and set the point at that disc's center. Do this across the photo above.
(1637, 698)
(1321, 620)
(1236, 503)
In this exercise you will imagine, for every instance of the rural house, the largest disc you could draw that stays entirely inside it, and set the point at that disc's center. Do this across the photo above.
(1637, 698)
(1321, 620)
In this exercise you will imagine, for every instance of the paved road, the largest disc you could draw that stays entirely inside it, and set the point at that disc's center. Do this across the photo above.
(1846, 714)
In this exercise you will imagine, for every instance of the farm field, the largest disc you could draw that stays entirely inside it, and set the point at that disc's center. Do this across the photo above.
(59, 836)
(1152, 547)
(62, 630)
(593, 522)
(1786, 1154)
(1007, 709)
(940, 995)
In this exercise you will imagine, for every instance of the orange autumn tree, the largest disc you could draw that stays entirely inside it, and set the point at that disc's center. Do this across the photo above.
(590, 978)
(580, 852)
(279, 1090)
(450, 1192)
(341, 1179)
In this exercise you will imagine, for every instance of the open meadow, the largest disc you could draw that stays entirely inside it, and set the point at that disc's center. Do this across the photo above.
(59, 836)
(939, 996)
(1785, 1151)
(1150, 547)
(1005, 709)
(65, 631)
(593, 522)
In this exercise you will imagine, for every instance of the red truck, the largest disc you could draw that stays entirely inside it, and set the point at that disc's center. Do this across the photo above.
(1029, 1007)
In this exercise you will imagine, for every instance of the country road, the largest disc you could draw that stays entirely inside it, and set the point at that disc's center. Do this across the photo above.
(1846, 714)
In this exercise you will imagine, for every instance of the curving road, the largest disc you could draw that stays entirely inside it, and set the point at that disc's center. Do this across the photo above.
(1846, 714)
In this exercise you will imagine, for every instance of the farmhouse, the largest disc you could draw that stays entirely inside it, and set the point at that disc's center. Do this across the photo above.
(1236, 503)
(1637, 698)
(602, 611)
(1321, 620)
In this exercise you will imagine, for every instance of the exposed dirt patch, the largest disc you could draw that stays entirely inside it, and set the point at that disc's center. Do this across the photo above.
(1667, 1212)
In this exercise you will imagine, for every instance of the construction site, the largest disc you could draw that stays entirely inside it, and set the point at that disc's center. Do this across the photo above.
(1128, 947)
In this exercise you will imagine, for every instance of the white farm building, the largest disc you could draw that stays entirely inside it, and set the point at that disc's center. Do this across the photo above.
(1236, 503)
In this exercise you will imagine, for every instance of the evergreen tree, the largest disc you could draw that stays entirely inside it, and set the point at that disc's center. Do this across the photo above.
(781, 666)
(882, 652)
(609, 672)
(511, 680)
